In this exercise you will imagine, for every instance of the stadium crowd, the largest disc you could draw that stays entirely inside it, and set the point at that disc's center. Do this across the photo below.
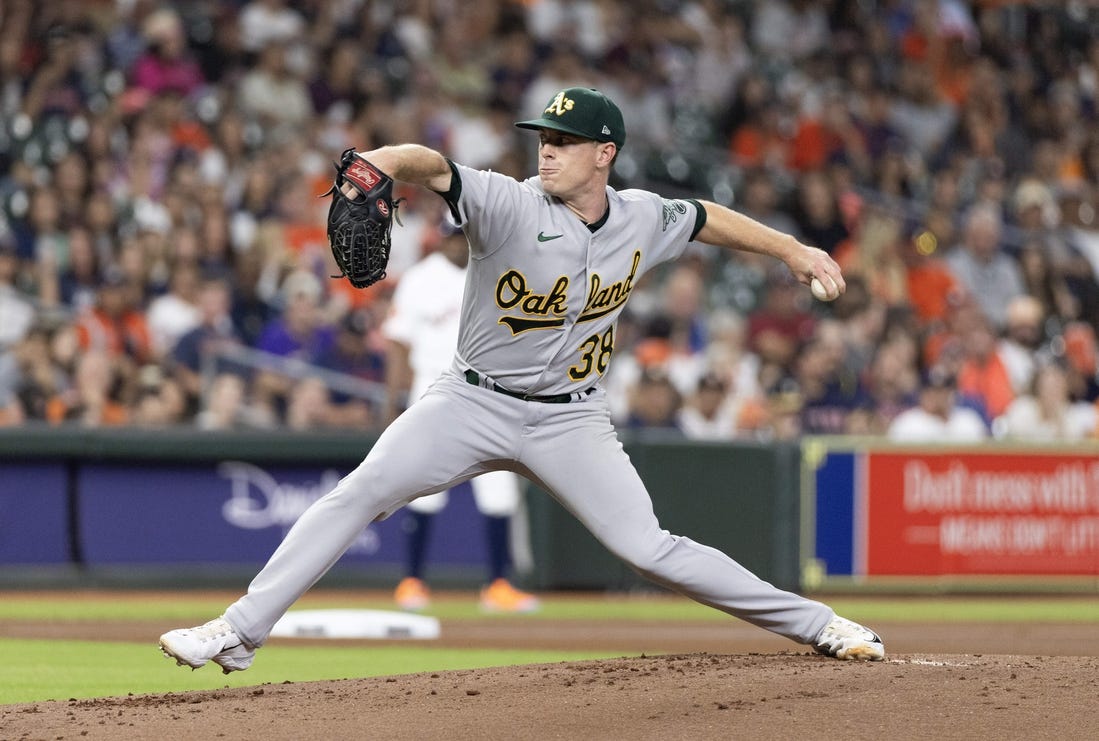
(163, 259)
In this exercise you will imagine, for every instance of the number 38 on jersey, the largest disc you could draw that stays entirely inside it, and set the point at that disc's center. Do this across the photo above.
(595, 354)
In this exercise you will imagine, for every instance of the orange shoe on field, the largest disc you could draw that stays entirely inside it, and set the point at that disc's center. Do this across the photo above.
(500, 596)
(412, 594)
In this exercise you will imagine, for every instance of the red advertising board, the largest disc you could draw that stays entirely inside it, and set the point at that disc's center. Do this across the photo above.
(997, 513)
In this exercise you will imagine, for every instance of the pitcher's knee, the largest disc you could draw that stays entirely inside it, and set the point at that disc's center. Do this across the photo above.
(364, 493)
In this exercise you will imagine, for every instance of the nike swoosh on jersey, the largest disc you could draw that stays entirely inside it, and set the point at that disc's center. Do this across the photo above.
(543, 238)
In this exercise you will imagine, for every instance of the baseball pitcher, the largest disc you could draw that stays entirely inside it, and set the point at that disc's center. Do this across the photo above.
(553, 260)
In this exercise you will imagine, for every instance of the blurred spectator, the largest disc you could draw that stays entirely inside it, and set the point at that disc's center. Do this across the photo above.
(11, 413)
(513, 66)
(705, 415)
(920, 114)
(1023, 337)
(762, 140)
(781, 418)
(826, 132)
(778, 328)
(1043, 282)
(872, 117)
(32, 374)
(250, 311)
(818, 214)
(980, 264)
(196, 351)
(1079, 218)
(929, 282)
(456, 65)
(48, 241)
(309, 406)
(274, 95)
(158, 401)
(876, 256)
(175, 313)
(336, 88)
(892, 385)
(97, 397)
(723, 56)
(654, 403)
(166, 65)
(263, 22)
(936, 418)
(1081, 352)
(983, 373)
(564, 67)
(17, 311)
(761, 201)
(630, 86)
(1047, 412)
(354, 353)
(225, 407)
(56, 87)
(829, 391)
(1046, 241)
(115, 325)
(789, 29)
(682, 307)
(480, 136)
(582, 23)
(75, 287)
(299, 332)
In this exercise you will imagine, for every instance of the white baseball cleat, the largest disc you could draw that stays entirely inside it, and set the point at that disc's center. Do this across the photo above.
(846, 639)
(215, 641)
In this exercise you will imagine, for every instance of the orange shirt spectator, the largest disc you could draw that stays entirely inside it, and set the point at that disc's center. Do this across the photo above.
(760, 142)
(113, 327)
(983, 373)
(930, 287)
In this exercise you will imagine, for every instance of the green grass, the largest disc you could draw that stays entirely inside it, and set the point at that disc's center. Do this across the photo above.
(37, 670)
(970, 610)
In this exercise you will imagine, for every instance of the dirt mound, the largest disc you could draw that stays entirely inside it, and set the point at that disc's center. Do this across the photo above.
(699, 696)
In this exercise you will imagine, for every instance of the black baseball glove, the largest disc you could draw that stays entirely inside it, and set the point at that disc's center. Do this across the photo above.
(359, 227)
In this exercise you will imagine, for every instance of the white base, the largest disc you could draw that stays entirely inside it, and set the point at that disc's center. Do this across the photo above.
(381, 624)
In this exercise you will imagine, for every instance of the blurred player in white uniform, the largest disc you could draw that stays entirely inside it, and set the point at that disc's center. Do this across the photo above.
(422, 330)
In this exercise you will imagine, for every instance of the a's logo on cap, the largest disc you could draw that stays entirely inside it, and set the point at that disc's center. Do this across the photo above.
(559, 105)
(606, 130)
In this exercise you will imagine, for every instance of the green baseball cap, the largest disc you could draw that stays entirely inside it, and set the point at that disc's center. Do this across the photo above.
(582, 111)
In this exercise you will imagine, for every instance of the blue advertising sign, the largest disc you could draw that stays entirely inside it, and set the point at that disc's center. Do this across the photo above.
(237, 512)
(834, 526)
(34, 514)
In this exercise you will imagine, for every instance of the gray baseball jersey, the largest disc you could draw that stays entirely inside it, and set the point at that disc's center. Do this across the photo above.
(542, 294)
(547, 290)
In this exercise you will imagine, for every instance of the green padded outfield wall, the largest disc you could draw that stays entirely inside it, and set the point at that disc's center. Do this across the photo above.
(740, 498)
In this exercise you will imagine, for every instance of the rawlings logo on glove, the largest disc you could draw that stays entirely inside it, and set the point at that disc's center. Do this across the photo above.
(360, 225)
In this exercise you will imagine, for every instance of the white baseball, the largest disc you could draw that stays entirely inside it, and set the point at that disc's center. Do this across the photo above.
(820, 292)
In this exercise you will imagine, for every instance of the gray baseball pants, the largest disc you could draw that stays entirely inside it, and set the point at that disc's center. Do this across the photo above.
(457, 431)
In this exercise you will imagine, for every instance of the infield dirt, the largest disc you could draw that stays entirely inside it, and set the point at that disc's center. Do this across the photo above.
(676, 680)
